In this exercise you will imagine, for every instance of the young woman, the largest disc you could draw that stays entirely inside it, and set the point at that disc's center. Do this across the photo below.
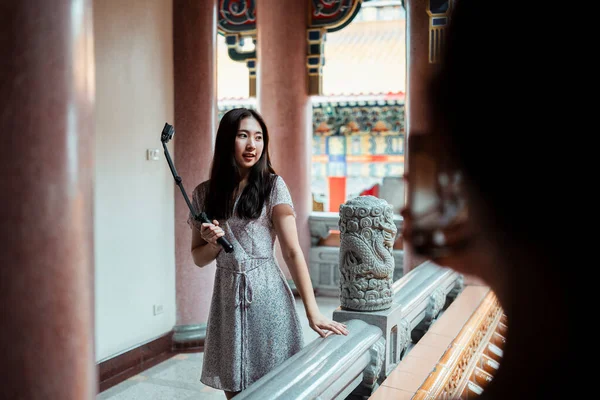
(253, 324)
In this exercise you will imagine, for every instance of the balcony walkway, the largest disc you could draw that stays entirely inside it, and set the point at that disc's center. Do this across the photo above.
(178, 378)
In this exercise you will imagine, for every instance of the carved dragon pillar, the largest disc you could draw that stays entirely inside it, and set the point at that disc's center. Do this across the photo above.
(367, 235)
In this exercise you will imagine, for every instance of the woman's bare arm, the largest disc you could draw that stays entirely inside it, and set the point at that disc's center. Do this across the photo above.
(285, 227)
(205, 251)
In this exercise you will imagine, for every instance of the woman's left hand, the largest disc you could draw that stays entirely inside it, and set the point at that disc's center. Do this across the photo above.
(325, 327)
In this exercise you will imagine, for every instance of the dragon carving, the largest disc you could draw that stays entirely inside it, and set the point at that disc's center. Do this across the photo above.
(367, 235)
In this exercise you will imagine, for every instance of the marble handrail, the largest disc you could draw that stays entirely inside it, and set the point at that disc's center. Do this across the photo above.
(326, 368)
(334, 367)
(416, 275)
(419, 297)
(423, 296)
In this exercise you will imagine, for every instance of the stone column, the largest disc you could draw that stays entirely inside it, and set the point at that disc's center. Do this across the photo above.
(46, 206)
(421, 65)
(282, 92)
(195, 81)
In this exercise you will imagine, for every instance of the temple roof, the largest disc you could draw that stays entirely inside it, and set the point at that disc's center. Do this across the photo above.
(364, 58)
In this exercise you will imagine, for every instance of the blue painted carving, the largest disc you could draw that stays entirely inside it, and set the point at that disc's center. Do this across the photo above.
(237, 22)
(438, 6)
(234, 43)
(237, 16)
(333, 15)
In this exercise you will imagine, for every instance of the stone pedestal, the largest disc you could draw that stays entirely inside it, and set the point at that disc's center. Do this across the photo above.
(418, 299)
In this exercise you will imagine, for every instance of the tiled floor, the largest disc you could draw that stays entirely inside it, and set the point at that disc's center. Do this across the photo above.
(178, 378)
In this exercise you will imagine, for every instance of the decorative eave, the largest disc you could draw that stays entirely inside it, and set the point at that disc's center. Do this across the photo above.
(237, 22)
(324, 16)
(237, 16)
(439, 19)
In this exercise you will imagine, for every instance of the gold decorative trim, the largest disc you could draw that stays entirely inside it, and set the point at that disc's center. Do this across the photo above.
(315, 78)
(453, 372)
(251, 63)
(438, 26)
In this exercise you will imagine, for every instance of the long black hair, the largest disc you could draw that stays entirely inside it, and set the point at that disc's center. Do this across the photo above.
(225, 174)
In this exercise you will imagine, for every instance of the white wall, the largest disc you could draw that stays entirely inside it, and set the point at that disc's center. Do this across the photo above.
(134, 198)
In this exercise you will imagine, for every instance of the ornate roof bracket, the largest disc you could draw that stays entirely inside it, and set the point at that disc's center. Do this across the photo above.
(324, 16)
(439, 18)
(237, 22)
(315, 60)
(235, 50)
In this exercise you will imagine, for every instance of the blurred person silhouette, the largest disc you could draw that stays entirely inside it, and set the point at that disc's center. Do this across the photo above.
(491, 109)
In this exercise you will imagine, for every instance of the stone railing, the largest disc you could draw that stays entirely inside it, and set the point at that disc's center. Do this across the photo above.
(418, 299)
(384, 315)
(324, 260)
(336, 366)
(471, 361)
(329, 368)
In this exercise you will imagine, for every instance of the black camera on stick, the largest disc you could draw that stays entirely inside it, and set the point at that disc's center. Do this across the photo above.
(166, 135)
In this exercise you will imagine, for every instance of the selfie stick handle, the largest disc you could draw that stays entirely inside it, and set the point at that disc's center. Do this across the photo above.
(202, 217)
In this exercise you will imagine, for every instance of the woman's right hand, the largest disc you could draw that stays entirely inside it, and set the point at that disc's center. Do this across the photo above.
(211, 232)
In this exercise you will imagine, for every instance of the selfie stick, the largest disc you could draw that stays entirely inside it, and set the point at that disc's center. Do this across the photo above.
(166, 135)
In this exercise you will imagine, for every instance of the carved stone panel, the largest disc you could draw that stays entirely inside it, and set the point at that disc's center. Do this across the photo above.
(372, 374)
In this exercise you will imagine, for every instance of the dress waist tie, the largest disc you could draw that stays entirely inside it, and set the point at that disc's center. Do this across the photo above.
(243, 299)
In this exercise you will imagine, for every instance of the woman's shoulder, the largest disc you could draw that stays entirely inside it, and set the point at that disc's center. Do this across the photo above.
(275, 178)
(278, 184)
(280, 192)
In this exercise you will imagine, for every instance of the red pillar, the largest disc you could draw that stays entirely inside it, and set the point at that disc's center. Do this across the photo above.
(46, 206)
(419, 73)
(282, 91)
(195, 81)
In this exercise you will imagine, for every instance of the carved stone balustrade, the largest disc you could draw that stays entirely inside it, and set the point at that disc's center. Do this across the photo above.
(327, 368)
(338, 366)
(418, 298)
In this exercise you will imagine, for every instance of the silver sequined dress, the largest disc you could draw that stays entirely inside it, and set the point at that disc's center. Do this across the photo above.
(253, 325)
